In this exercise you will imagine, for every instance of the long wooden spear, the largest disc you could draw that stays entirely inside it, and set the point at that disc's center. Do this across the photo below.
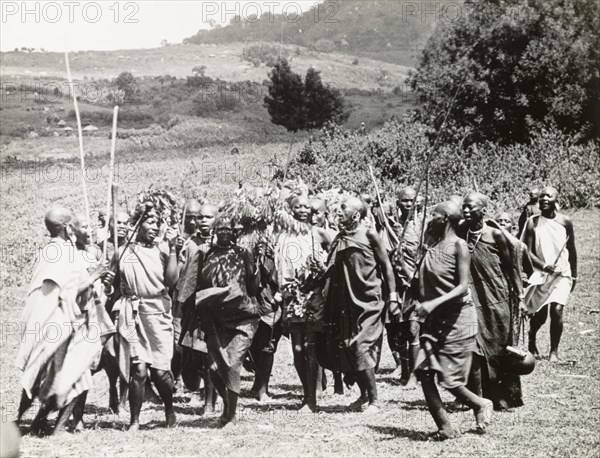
(111, 174)
(80, 135)
(384, 220)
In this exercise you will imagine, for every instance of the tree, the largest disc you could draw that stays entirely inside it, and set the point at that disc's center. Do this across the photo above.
(514, 64)
(199, 70)
(298, 105)
(322, 102)
(126, 87)
(285, 101)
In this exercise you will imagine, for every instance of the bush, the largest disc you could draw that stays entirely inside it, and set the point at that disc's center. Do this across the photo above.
(398, 152)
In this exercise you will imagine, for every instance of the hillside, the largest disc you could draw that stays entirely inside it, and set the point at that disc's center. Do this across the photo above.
(387, 30)
(222, 62)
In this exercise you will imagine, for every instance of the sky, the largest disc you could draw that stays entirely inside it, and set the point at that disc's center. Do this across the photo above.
(107, 25)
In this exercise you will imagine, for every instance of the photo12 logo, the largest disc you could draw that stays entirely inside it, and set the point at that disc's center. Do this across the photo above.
(71, 12)
(227, 12)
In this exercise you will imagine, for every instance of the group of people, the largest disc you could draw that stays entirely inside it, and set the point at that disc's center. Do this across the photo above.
(153, 305)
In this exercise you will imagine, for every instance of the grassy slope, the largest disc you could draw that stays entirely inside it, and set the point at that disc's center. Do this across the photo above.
(221, 61)
(562, 402)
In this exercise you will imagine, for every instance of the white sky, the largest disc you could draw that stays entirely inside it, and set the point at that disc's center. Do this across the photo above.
(107, 25)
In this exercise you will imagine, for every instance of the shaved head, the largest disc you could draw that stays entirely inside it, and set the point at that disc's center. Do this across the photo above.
(208, 209)
(450, 210)
(358, 205)
(458, 200)
(318, 212)
(122, 224)
(504, 220)
(550, 191)
(477, 197)
(299, 199)
(317, 205)
(548, 200)
(407, 193)
(192, 206)
(78, 220)
(56, 220)
(81, 229)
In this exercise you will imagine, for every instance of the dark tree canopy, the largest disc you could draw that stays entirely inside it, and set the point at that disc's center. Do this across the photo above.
(518, 63)
(298, 105)
(285, 99)
(127, 86)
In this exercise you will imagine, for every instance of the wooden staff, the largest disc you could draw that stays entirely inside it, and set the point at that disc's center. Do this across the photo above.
(385, 222)
(111, 174)
(148, 207)
(182, 224)
(80, 135)
(115, 192)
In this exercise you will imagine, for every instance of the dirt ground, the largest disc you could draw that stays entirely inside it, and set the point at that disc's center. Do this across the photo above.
(560, 416)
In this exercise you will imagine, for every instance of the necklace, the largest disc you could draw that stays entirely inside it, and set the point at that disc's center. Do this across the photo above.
(470, 243)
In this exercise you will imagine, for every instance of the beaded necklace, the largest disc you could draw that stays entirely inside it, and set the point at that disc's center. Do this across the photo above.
(470, 243)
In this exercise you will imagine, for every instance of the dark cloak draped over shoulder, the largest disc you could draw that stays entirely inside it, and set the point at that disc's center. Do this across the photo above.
(229, 320)
(496, 310)
(353, 314)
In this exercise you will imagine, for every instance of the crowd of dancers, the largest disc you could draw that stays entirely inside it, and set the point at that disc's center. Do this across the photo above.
(153, 304)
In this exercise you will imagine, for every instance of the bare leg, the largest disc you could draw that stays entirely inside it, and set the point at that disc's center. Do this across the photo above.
(482, 408)
(297, 334)
(210, 394)
(40, 421)
(363, 400)
(230, 416)
(137, 388)
(312, 370)
(78, 409)
(321, 382)
(395, 342)
(24, 405)
(123, 393)
(556, 330)
(436, 406)
(414, 328)
(264, 367)
(368, 377)
(536, 322)
(223, 392)
(338, 383)
(111, 368)
(475, 384)
(63, 416)
(163, 380)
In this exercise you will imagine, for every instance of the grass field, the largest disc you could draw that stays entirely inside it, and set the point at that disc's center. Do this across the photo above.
(221, 61)
(561, 416)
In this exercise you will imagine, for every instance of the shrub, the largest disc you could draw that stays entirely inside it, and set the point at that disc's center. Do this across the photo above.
(398, 152)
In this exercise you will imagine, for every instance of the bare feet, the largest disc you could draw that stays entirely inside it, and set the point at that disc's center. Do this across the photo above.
(483, 415)
(533, 350)
(411, 383)
(79, 427)
(227, 424)
(359, 405)
(444, 434)
(306, 409)
(371, 409)
(171, 420)
(397, 373)
(553, 357)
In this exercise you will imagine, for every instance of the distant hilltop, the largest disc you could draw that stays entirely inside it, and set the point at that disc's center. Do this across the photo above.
(390, 30)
